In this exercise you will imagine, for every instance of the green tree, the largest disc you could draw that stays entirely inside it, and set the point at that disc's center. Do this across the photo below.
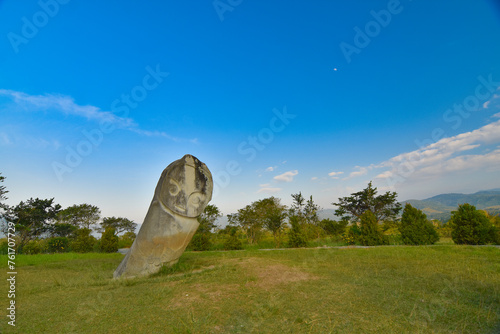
(274, 215)
(384, 207)
(371, 233)
(202, 239)
(311, 215)
(126, 240)
(297, 208)
(415, 228)
(63, 230)
(3, 191)
(84, 242)
(33, 218)
(82, 215)
(249, 221)
(109, 240)
(495, 228)
(470, 226)
(208, 218)
(118, 223)
(296, 237)
(3, 207)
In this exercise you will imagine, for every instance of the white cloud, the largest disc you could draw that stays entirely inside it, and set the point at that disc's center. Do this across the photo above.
(160, 134)
(335, 175)
(493, 102)
(269, 190)
(67, 106)
(385, 175)
(446, 155)
(271, 169)
(361, 171)
(287, 176)
(64, 104)
(314, 178)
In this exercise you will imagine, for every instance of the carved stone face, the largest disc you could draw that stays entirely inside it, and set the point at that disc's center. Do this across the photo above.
(187, 187)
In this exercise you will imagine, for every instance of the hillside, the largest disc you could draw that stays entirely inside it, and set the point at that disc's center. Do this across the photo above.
(440, 206)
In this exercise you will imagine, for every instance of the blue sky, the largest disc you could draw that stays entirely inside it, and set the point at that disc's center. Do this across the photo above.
(96, 99)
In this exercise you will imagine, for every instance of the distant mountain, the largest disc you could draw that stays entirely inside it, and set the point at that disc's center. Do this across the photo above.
(440, 206)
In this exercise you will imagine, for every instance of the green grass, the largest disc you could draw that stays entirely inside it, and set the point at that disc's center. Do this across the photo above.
(437, 289)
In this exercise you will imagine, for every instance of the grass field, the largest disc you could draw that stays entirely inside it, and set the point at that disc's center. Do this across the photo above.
(438, 289)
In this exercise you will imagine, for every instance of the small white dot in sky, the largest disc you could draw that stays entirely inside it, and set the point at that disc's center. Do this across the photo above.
(335, 69)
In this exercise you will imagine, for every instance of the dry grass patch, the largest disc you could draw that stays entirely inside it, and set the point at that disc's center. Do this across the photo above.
(211, 294)
(269, 275)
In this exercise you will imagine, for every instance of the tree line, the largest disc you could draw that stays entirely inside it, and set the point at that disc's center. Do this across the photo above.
(41, 225)
(363, 218)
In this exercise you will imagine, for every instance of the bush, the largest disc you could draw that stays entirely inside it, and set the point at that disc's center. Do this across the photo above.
(126, 240)
(58, 245)
(352, 235)
(84, 242)
(232, 242)
(4, 246)
(331, 227)
(444, 231)
(371, 233)
(416, 229)
(296, 237)
(109, 241)
(201, 242)
(471, 226)
(32, 247)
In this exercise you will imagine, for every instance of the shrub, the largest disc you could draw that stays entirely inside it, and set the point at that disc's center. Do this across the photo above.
(296, 237)
(415, 228)
(109, 241)
(471, 226)
(444, 231)
(331, 227)
(58, 245)
(352, 235)
(371, 233)
(4, 246)
(32, 247)
(126, 240)
(201, 242)
(84, 242)
(232, 242)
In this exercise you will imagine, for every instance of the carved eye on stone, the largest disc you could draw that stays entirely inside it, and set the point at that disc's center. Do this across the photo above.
(196, 199)
(174, 187)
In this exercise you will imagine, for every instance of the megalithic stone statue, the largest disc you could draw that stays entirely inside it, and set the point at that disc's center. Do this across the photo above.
(183, 191)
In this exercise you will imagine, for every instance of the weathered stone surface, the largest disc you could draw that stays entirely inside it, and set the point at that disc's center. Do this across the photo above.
(184, 189)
